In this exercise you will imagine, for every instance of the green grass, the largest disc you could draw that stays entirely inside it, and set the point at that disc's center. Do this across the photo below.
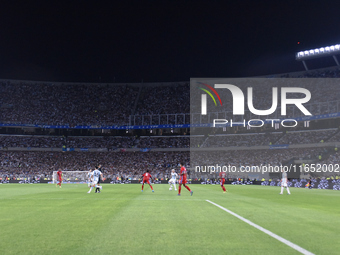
(43, 219)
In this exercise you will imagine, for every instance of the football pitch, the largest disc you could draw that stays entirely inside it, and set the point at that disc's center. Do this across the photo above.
(43, 219)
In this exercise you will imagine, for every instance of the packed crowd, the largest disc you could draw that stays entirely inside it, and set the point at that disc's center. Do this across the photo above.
(212, 141)
(32, 141)
(133, 164)
(65, 104)
(108, 142)
(241, 140)
(112, 104)
(240, 158)
(169, 99)
(308, 137)
(164, 142)
(122, 164)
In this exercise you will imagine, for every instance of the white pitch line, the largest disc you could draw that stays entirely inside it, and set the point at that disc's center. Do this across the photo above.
(279, 238)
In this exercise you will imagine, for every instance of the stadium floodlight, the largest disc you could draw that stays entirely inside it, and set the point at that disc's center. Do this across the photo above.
(320, 52)
(317, 53)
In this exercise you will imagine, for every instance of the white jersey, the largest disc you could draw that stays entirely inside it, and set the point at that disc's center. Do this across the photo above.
(96, 174)
(284, 179)
(90, 175)
(174, 176)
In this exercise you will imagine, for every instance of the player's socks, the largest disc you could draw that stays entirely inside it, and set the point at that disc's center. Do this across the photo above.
(179, 190)
(142, 187)
(223, 188)
(90, 190)
(288, 190)
(187, 187)
(151, 187)
(281, 189)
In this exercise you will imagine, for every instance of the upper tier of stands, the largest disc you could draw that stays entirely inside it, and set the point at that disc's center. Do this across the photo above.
(48, 103)
(213, 141)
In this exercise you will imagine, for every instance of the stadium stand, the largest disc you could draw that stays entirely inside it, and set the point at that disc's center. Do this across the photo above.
(50, 103)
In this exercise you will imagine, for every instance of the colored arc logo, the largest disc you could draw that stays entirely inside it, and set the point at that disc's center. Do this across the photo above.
(209, 93)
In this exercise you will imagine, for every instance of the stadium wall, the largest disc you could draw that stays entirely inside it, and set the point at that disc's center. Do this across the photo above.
(333, 184)
(263, 147)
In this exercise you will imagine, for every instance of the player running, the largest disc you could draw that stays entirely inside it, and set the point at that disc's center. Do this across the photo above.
(284, 182)
(183, 180)
(222, 180)
(173, 179)
(60, 179)
(146, 179)
(96, 175)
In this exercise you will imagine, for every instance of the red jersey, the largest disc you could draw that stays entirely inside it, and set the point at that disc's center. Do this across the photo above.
(59, 173)
(223, 175)
(146, 176)
(183, 172)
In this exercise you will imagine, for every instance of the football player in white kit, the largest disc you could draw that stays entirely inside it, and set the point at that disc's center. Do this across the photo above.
(96, 173)
(173, 179)
(284, 182)
(89, 178)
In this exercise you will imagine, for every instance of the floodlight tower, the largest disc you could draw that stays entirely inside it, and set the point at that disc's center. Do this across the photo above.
(318, 53)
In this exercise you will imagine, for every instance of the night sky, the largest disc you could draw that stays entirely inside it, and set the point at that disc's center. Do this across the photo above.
(155, 41)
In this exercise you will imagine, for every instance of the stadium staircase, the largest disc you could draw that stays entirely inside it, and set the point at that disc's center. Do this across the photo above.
(329, 137)
(278, 139)
(202, 145)
(137, 99)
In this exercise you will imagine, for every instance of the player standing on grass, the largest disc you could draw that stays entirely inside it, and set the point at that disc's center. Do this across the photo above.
(60, 175)
(89, 178)
(146, 179)
(96, 175)
(97, 189)
(222, 180)
(310, 183)
(284, 182)
(172, 181)
(183, 180)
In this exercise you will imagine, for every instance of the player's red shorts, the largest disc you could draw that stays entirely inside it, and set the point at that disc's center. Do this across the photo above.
(222, 181)
(182, 180)
(146, 181)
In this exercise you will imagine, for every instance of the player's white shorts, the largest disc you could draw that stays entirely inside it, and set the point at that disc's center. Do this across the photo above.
(172, 181)
(94, 182)
(284, 184)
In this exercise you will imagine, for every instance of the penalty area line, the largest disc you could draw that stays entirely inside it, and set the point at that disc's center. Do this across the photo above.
(279, 238)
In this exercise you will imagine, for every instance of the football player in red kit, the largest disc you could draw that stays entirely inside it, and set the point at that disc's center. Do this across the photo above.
(222, 181)
(183, 180)
(146, 178)
(59, 174)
